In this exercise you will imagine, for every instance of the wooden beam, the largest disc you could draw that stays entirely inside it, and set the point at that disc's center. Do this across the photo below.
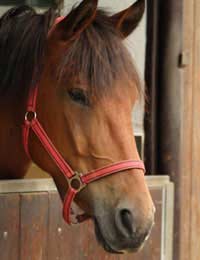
(150, 119)
(179, 113)
(184, 183)
(195, 188)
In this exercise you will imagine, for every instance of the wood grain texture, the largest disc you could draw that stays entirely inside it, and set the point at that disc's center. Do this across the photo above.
(9, 227)
(34, 223)
(195, 189)
(63, 241)
(79, 242)
(36, 231)
(179, 124)
(182, 245)
(179, 142)
(190, 152)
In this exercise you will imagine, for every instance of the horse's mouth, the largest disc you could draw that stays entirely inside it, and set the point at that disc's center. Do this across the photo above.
(102, 240)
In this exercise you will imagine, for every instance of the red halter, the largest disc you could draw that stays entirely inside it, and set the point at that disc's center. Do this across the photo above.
(76, 181)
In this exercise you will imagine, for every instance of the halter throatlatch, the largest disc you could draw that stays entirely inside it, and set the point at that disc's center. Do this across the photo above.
(76, 181)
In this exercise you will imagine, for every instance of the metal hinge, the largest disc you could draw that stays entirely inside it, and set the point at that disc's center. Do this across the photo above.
(184, 59)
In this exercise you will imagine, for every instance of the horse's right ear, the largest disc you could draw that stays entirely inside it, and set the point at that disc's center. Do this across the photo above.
(76, 21)
(127, 20)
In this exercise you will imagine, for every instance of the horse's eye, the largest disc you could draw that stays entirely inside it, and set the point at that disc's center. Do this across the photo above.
(79, 96)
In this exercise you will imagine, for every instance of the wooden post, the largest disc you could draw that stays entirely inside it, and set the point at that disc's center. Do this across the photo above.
(179, 118)
(191, 42)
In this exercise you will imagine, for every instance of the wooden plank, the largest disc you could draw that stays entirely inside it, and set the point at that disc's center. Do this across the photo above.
(63, 241)
(195, 190)
(34, 223)
(79, 242)
(176, 114)
(182, 244)
(76, 242)
(9, 227)
(192, 136)
(45, 236)
(48, 185)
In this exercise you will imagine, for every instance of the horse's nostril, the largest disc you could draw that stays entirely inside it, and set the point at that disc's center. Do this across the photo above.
(126, 219)
(132, 230)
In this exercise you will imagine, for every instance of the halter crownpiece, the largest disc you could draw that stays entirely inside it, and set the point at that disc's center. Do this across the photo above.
(76, 181)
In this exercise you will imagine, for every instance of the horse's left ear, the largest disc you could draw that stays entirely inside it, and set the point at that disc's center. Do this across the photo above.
(127, 20)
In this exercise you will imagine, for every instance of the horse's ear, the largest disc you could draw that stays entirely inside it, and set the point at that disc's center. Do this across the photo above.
(127, 20)
(77, 20)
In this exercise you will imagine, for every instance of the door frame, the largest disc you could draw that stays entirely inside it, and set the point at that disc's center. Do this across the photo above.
(173, 142)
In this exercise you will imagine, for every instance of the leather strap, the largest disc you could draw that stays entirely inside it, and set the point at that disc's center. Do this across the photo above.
(96, 175)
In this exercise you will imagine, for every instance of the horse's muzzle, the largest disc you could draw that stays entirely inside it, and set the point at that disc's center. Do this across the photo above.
(121, 233)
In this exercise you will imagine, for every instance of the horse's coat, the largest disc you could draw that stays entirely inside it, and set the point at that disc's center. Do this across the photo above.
(87, 89)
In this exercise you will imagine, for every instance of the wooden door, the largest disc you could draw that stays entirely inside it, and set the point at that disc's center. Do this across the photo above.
(32, 228)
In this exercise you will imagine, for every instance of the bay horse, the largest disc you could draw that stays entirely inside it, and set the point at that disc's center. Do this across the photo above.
(87, 87)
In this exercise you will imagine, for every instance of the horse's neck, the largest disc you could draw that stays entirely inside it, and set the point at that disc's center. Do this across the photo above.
(13, 160)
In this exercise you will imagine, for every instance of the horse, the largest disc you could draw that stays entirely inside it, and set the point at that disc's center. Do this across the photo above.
(87, 87)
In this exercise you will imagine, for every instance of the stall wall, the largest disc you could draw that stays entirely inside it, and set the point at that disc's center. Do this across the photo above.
(32, 227)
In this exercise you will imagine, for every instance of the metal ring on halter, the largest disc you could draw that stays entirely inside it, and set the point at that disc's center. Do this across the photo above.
(76, 183)
(30, 116)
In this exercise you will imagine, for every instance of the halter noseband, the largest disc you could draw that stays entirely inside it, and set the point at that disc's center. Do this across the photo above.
(76, 181)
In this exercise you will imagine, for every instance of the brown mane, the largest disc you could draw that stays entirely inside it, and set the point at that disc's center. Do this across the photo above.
(23, 39)
(99, 57)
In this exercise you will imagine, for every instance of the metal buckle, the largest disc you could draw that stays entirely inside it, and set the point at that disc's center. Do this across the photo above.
(76, 183)
(30, 116)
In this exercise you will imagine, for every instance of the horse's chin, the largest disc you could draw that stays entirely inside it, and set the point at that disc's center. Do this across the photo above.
(110, 248)
(102, 241)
